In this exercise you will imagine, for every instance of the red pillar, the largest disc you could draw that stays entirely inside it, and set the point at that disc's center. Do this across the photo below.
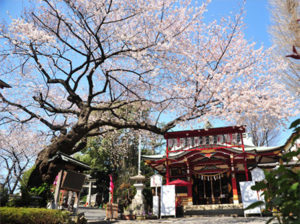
(233, 182)
(167, 164)
(189, 176)
(167, 173)
(190, 193)
(245, 160)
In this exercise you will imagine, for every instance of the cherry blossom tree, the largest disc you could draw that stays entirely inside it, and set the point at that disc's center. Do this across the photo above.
(263, 136)
(285, 32)
(77, 67)
(18, 150)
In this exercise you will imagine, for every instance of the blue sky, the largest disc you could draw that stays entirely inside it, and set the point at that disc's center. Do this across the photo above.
(257, 18)
(257, 23)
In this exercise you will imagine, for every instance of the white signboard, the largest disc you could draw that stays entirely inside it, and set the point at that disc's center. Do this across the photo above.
(167, 200)
(155, 205)
(257, 174)
(250, 196)
(156, 180)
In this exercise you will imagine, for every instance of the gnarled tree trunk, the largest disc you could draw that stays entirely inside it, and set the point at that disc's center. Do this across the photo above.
(46, 171)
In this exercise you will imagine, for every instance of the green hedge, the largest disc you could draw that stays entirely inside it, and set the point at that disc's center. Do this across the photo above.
(13, 215)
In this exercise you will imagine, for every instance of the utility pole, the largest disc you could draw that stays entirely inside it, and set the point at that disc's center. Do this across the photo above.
(140, 150)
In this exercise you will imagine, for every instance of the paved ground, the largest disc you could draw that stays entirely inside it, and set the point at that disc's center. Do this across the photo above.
(97, 216)
(196, 220)
(93, 214)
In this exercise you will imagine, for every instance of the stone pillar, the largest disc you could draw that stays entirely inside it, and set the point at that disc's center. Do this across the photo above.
(88, 199)
(70, 196)
(76, 201)
(233, 181)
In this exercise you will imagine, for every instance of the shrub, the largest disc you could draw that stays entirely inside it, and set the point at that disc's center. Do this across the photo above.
(282, 187)
(43, 192)
(10, 215)
(3, 196)
(20, 201)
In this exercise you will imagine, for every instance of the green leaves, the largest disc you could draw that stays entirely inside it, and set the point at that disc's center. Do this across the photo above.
(282, 193)
(296, 126)
(282, 188)
(255, 204)
(259, 185)
(294, 186)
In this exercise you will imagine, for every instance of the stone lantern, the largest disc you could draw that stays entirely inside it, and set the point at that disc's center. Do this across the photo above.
(137, 205)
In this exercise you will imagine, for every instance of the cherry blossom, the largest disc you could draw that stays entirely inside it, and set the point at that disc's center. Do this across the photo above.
(19, 147)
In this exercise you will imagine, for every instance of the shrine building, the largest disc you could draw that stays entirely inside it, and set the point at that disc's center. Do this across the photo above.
(207, 165)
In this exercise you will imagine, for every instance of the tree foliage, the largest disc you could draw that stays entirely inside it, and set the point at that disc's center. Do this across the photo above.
(69, 60)
(117, 154)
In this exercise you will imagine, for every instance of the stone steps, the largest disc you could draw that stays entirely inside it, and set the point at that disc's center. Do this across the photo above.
(214, 210)
(213, 206)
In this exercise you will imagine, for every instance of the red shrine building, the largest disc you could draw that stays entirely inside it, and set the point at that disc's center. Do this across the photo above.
(207, 165)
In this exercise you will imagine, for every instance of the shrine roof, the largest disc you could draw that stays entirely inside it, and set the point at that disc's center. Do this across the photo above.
(62, 157)
(252, 149)
(205, 132)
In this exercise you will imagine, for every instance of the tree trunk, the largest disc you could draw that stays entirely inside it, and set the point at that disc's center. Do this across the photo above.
(46, 171)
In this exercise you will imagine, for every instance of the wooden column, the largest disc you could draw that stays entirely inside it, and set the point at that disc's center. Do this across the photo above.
(189, 178)
(221, 192)
(204, 188)
(233, 181)
(245, 159)
(212, 191)
(167, 164)
(167, 172)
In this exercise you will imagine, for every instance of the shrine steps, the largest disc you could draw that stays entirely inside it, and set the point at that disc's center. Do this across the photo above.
(214, 210)
(93, 215)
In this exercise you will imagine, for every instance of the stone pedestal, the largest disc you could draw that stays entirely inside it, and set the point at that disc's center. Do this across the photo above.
(137, 205)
